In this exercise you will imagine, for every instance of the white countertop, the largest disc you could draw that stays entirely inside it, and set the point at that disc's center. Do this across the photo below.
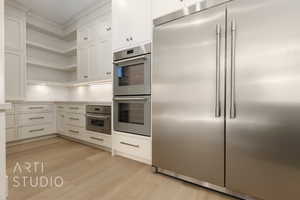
(75, 102)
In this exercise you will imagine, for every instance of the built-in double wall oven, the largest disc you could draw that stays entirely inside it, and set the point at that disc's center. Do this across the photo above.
(132, 90)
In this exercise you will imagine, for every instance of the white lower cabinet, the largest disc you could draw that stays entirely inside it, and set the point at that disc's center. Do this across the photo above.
(74, 119)
(35, 119)
(36, 131)
(10, 121)
(29, 120)
(75, 132)
(98, 139)
(132, 146)
(11, 134)
(60, 121)
(33, 108)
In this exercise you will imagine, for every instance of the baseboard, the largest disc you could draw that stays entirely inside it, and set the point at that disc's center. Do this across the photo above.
(85, 143)
(24, 141)
(142, 160)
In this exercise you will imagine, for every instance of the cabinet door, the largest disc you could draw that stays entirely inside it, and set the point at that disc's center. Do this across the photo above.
(121, 24)
(100, 31)
(83, 36)
(140, 20)
(83, 63)
(60, 117)
(107, 60)
(14, 32)
(161, 8)
(101, 60)
(14, 75)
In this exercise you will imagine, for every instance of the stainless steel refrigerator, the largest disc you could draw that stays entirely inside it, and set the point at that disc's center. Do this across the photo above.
(226, 97)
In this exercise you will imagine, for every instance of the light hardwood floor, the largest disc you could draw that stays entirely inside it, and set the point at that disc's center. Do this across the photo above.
(93, 174)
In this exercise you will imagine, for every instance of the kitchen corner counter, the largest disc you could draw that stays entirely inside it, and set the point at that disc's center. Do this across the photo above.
(104, 103)
(5, 106)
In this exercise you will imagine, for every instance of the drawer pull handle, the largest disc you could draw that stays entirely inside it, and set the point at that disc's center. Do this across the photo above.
(35, 108)
(74, 108)
(71, 131)
(36, 118)
(36, 130)
(132, 145)
(75, 119)
(99, 139)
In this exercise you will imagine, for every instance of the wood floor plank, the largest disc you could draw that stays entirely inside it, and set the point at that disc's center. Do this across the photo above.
(93, 174)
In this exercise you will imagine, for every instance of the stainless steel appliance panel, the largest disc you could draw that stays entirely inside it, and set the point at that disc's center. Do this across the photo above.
(188, 97)
(132, 114)
(98, 119)
(263, 111)
(132, 71)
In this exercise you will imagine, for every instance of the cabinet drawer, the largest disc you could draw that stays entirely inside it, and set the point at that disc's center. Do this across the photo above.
(10, 121)
(10, 111)
(11, 135)
(75, 109)
(60, 121)
(136, 146)
(35, 119)
(33, 108)
(97, 138)
(72, 131)
(75, 119)
(61, 107)
(35, 131)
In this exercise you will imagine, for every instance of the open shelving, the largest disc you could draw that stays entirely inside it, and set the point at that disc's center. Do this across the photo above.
(71, 67)
(68, 52)
(51, 58)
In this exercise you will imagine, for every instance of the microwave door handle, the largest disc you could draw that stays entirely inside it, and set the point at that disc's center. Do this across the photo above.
(131, 99)
(129, 59)
(96, 116)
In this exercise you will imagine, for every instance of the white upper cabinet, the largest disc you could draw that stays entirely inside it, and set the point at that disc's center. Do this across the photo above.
(94, 32)
(15, 52)
(101, 61)
(14, 32)
(161, 8)
(131, 23)
(83, 57)
(14, 75)
(95, 52)
(83, 36)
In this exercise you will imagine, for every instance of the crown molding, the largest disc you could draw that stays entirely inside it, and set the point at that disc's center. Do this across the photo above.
(62, 30)
(85, 12)
(44, 20)
(16, 5)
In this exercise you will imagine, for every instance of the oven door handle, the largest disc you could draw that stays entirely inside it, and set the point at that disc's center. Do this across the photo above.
(130, 59)
(131, 99)
(97, 116)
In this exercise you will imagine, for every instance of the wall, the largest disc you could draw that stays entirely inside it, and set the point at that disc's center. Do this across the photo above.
(47, 93)
(101, 92)
(2, 115)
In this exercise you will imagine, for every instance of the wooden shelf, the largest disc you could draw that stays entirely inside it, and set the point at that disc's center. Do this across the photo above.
(51, 66)
(69, 52)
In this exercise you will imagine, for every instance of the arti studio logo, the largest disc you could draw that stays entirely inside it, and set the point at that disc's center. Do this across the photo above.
(32, 174)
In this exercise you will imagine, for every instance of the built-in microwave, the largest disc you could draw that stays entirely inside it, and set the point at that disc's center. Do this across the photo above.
(132, 71)
(132, 114)
(98, 119)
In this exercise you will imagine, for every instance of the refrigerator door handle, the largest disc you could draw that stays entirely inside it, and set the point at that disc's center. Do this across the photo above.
(232, 72)
(218, 72)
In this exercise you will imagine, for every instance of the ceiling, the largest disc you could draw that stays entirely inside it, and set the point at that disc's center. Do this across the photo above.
(59, 11)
